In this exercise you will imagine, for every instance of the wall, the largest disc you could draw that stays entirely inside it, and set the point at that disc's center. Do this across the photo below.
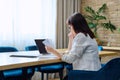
(112, 13)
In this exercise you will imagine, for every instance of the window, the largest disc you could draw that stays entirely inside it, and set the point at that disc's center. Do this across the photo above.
(22, 21)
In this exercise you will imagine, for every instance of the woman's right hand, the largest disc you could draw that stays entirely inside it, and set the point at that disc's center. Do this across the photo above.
(49, 49)
(71, 36)
(53, 51)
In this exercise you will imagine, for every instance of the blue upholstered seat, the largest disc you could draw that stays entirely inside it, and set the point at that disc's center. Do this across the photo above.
(68, 67)
(14, 72)
(100, 48)
(7, 49)
(51, 68)
(110, 71)
(31, 69)
(11, 73)
(30, 48)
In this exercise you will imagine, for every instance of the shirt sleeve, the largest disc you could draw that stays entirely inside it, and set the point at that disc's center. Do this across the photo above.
(76, 51)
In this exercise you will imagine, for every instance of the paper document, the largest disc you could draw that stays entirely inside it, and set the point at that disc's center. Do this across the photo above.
(48, 42)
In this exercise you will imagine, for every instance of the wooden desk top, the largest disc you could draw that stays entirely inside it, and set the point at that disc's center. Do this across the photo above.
(7, 62)
(107, 53)
(101, 53)
(111, 48)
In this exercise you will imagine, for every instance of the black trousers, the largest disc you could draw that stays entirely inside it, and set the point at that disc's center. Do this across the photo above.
(66, 77)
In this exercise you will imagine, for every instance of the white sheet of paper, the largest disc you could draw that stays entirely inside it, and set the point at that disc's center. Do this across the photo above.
(48, 42)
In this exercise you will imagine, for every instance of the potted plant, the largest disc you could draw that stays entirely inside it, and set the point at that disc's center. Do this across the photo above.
(97, 19)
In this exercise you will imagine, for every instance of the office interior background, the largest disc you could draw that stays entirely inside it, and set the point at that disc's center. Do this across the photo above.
(22, 21)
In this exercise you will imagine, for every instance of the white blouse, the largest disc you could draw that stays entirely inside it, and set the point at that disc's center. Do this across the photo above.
(83, 54)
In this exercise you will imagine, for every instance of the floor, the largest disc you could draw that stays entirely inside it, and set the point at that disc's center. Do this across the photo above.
(37, 76)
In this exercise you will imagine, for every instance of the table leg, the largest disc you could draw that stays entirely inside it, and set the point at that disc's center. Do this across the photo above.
(2, 76)
(26, 75)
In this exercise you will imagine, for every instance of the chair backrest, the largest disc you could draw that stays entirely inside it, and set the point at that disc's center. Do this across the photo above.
(100, 48)
(7, 49)
(31, 47)
(111, 71)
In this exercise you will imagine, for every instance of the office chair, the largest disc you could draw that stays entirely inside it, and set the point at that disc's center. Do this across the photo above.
(8, 49)
(111, 71)
(31, 48)
(100, 48)
(50, 68)
(14, 73)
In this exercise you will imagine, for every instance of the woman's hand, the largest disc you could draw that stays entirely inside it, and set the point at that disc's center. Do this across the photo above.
(71, 37)
(49, 49)
(53, 51)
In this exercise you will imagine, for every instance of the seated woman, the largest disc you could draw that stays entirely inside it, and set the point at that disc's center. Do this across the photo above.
(82, 47)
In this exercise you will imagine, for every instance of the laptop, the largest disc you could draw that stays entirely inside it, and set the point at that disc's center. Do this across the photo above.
(41, 46)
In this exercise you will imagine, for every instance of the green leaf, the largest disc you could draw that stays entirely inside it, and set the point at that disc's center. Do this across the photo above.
(109, 25)
(90, 10)
(102, 9)
(89, 18)
(100, 17)
(92, 25)
(95, 18)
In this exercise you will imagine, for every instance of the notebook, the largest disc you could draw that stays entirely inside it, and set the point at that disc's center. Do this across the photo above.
(41, 46)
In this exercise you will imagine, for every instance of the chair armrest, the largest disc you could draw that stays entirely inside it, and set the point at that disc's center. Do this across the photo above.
(81, 75)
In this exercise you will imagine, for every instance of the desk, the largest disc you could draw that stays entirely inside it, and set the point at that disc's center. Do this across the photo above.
(7, 62)
(111, 48)
(101, 53)
(107, 53)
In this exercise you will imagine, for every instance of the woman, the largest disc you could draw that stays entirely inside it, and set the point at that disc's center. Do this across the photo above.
(82, 47)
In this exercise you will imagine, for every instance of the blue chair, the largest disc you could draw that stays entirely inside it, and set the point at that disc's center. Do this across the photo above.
(50, 68)
(8, 49)
(111, 71)
(100, 48)
(31, 48)
(14, 73)
(1, 76)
